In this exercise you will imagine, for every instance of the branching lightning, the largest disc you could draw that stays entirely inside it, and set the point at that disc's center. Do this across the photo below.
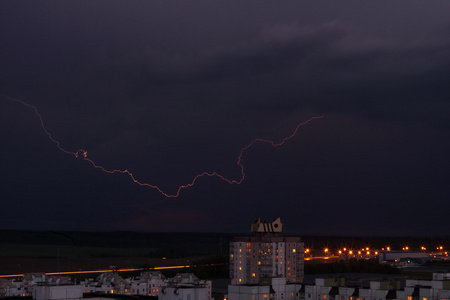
(83, 154)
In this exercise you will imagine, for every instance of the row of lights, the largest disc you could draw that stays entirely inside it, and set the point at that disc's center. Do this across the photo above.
(367, 250)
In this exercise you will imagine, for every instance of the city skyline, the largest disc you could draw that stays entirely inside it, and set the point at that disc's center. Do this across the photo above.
(170, 90)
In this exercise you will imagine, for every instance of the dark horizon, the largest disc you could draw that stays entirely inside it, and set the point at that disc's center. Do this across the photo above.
(306, 236)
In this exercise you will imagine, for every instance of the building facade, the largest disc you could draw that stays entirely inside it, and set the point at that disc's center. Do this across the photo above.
(266, 254)
(186, 286)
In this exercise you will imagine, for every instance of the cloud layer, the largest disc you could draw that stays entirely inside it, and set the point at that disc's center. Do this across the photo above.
(168, 90)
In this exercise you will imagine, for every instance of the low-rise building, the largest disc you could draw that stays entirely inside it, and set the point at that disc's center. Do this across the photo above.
(186, 286)
(57, 292)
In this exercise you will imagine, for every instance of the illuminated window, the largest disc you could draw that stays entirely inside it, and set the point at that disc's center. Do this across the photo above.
(292, 294)
(293, 250)
(253, 274)
(259, 263)
(424, 298)
(240, 268)
(112, 291)
(240, 250)
(265, 296)
(240, 280)
(324, 296)
(409, 297)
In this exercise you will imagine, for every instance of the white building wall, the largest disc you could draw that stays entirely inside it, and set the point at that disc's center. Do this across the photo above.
(139, 288)
(311, 292)
(242, 292)
(444, 295)
(15, 291)
(441, 276)
(281, 247)
(379, 294)
(324, 293)
(58, 292)
(426, 293)
(155, 285)
(185, 294)
(345, 293)
(401, 295)
(273, 253)
(240, 263)
(365, 294)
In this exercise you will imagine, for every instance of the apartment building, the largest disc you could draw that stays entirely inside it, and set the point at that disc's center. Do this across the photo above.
(266, 254)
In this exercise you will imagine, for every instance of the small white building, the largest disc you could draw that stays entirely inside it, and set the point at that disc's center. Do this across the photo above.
(155, 281)
(394, 289)
(186, 286)
(106, 283)
(324, 288)
(249, 292)
(10, 288)
(270, 289)
(57, 292)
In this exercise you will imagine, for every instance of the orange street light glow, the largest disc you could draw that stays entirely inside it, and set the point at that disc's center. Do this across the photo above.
(102, 271)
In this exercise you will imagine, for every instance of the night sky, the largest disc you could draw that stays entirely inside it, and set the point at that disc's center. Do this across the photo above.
(170, 89)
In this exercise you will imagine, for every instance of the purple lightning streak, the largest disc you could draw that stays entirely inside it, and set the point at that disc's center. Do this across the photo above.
(192, 183)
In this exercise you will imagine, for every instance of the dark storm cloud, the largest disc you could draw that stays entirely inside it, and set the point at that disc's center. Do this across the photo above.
(351, 72)
(329, 67)
(171, 89)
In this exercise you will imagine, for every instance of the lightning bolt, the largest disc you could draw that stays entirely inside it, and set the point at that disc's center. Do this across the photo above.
(83, 154)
